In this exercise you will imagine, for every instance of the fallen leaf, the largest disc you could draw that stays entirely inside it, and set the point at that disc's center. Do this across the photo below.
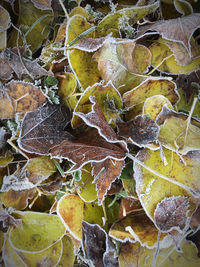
(177, 30)
(148, 88)
(121, 61)
(164, 60)
(136, 227)
(140, 131)
(37, 25)
(95, 242)
(39, 231)
(175, 134)
(171, 213)
(133, 12)
(127, 206)
(170, 180)
(11, 61)
(43, 128)
(3, 138)
(106, 172)
(107, 97)
(19, 97)
(99, 247)
(183, 7)
(42, 4)
(89, 148)
(68, 254)
(18, 199)
(7, 220)
(153, 106)
(5, 19)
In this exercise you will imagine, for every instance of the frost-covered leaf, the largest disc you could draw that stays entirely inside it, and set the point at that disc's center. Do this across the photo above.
(175, 132)
(135, 227)
(177, 30)
(11, 61)
(43, 128)
(99, 247)
(18, 199)
(36, 25)
(135, 13)
(68, 254)
(119, 61)
(19, 96)
(39, 231)
(42, 4)
(3, 138)
(153, 106)
(49, 257)
(141, 130)
(6, 159)
(148, 88)
(4, 19)
(106, 172)
(127, 206)
(72, 211)
(91, 147)
(169, 178)
(7, 220)
(107, 97)
(183, 7)
(136, 255)
(164, 60)
(171, 213)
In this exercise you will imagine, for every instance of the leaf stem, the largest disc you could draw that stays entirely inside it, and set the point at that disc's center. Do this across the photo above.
(189, 119)
(17, 149)
(64, 9)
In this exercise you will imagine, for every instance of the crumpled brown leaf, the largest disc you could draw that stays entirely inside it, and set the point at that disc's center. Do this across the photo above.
(11, 61)
(177, 30)
(43, 128)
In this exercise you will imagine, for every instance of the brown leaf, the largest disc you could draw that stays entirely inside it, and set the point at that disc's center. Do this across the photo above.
(107, 172)
(3, 138)
(171, 213)
(96, 119)
(141, 130)
(52, 186)
(91, 147)
(19, 96)
(43, 128)
(7, 220)
(177, 30)
(127, 206)
(90, 44)
(12, 62)
(99, 247)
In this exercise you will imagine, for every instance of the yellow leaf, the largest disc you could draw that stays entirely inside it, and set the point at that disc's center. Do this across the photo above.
(154, 104)
(121, 62)
(37, 25)
(70, 210)
(39, 231)
(135, 13)
(106, 96)
(134, 255)
(160, 52)
(67, 89)
(78, 11)
(86, 186)
(5, 160)
(68, 255)
(174, 181)
(136, 227)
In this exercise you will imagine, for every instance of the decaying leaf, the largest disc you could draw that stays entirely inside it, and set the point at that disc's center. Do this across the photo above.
(43, 128)
(42, 4)
(89, 148)
(11, 61)
(7, 220)
(171, 213)
(177, 30)
(135, 227)
(99, 247)
(19, 97)
(171, 180)
(141, 130)
(106, 172)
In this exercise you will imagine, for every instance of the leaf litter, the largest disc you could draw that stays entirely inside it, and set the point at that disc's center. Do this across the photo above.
(100, 133)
